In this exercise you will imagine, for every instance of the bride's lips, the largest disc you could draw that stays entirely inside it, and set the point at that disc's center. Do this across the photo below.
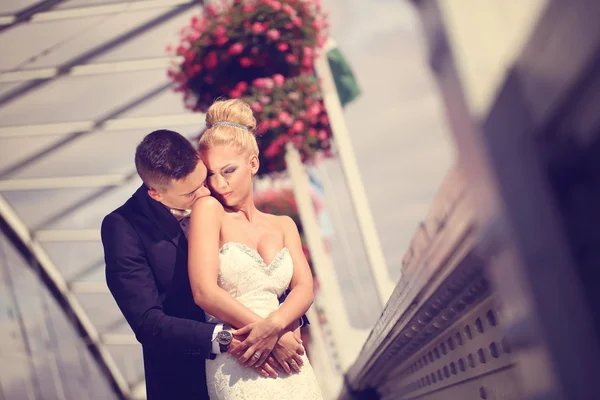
(225, 195)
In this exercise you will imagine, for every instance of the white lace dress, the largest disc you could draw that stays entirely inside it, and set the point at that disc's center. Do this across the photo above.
(244, 274)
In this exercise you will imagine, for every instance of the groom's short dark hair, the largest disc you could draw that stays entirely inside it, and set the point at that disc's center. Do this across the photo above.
(164, 156)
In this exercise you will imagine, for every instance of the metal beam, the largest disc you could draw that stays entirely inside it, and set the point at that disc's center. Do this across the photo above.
(93, 11)
(119, 339)
(18, 234)
(87, 69)
(68, 235)
(61, 182)
(117, 124)
(89, 287)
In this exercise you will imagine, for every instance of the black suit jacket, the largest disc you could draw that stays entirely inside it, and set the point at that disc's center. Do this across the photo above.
(146, 270)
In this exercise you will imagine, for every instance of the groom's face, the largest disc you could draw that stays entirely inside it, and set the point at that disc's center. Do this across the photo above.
(181, 194)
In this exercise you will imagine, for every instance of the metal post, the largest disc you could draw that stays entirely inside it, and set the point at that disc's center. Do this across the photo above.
(348, 340)
(385, 286)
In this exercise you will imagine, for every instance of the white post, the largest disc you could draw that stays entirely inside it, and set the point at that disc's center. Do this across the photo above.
(348, 340)
(385, 285)
(330, 379)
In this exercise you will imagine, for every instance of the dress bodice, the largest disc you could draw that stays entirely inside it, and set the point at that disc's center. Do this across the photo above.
(245, 276)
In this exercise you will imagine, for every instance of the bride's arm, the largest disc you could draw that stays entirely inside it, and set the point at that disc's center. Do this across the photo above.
(301, 294)
(203, 266)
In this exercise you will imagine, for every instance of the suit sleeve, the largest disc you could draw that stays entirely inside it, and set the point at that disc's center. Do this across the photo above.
(302, 321)
(131, 282)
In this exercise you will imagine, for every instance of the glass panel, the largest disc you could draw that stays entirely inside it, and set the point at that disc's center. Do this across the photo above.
(16, 150)
(68, 99)
(36, 206)
(58, 42)
(77, 260)
(42, 355)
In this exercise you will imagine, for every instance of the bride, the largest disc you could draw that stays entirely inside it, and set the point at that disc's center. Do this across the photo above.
(241, 261)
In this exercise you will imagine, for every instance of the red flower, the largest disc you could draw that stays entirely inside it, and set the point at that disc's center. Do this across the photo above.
(257, 27)
(291, 58)
(211, 60)
(236, 49)
(283, 46)
(278, 79)
(246, 62)
(273, 34)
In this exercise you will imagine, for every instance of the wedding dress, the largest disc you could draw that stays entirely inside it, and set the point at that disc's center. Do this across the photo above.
(244, 274)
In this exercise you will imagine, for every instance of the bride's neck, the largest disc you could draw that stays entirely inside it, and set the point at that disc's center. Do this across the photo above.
(247, 208)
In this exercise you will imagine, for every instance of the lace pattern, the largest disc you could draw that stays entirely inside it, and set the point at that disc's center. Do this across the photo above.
(245, 275)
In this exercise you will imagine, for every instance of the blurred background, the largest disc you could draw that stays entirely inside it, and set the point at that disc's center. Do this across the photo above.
(406, 120)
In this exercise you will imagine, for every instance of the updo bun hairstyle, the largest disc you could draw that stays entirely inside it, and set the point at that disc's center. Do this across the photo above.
(230, 122)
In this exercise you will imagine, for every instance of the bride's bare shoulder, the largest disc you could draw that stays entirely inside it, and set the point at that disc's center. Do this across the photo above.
(207, 204)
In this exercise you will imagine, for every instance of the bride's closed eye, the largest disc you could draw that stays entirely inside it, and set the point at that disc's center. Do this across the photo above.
(230, 170)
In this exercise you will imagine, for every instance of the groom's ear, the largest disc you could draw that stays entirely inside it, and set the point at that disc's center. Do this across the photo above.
(154, 194)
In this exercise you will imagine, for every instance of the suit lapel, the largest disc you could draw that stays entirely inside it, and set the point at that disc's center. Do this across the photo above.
(161, 216)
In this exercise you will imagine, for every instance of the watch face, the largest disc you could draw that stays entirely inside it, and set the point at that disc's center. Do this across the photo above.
(224, 337)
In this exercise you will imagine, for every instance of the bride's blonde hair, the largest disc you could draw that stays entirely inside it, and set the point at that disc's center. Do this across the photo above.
(230, 122)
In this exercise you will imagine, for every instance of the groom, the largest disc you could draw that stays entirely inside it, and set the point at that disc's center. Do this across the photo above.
(145, 251)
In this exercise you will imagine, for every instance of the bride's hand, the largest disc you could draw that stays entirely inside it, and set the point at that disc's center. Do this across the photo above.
(262, 337)
(287, 352)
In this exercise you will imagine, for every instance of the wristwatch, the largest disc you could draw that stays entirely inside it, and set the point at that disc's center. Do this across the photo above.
(224, 338)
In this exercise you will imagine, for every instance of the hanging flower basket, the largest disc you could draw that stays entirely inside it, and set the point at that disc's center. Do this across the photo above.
(223, 51)
(289, 110)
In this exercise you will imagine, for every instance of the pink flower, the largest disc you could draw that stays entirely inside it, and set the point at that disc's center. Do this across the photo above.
(221, 40)
(297, 21)
(263, 125)
(315, 109)
(276, 5)
(307, 62)
(278, 79)
(259, 83)
(248, 8)
(275, 123)
(264, 99)
(269, 83)
(220, 30)
(257, 27)
(298, 126)
(241, 86)
(288, 9)
(273, 34)
(257, 107)
(285, 117)
(235, 94)
(316, 25)
(211, 10)
(308, 52)
(312, 132)
(294, 96)
(236, 49)
(323, 134)
(323, 119)
(283, 46)
(291, 58)
(245, 62)
(211, 61)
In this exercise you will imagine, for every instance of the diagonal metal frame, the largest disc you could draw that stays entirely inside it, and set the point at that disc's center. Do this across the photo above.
(18, 234)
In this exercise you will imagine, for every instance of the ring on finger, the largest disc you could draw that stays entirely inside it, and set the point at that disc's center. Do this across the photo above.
(256, 355)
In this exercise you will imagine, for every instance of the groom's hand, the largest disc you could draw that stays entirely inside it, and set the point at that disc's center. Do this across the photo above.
(287, 352)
